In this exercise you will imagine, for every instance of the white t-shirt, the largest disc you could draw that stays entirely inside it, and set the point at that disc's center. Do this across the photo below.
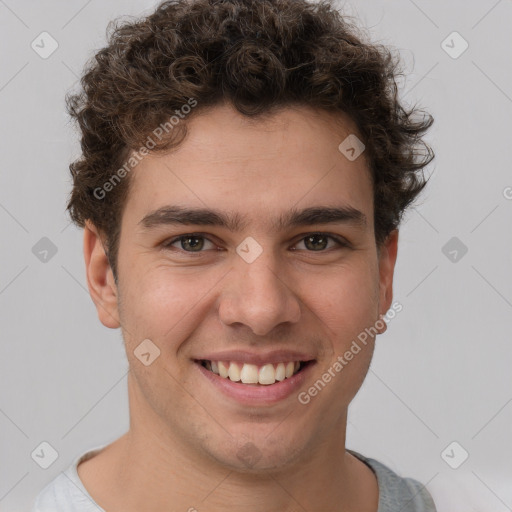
(66, 493)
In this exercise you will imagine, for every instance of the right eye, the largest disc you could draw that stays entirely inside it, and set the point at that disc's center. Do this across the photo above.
(189, 243)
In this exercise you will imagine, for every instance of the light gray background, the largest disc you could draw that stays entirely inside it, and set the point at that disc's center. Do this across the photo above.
(441, 373)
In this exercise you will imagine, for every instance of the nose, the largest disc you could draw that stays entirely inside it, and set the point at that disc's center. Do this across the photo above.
(258, 296)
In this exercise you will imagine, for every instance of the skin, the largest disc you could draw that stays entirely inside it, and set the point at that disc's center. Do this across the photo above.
(181, 449)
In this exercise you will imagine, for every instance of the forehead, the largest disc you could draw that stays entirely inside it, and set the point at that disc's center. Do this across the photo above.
(255, 168)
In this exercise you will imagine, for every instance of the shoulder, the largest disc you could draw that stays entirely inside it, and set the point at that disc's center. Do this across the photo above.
(407, 494)
(66, 493)
(58, 495)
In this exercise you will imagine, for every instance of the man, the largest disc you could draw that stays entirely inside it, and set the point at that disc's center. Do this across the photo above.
(245, 167)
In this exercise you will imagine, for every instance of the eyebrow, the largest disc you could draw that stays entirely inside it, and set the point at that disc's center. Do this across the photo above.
(178, 215)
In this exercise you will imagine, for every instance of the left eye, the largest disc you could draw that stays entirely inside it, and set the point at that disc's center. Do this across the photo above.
(319, 241)
(313, 242)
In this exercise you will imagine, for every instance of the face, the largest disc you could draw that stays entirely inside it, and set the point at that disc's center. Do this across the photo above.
(284, 270)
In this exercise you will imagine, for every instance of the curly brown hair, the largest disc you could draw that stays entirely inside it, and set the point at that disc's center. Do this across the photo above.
(260, 55)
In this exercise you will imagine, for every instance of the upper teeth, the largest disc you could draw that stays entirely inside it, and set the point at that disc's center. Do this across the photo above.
(251, 374)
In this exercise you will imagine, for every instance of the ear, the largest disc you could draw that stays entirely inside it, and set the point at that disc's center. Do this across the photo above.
(387, 260)
(100, 279)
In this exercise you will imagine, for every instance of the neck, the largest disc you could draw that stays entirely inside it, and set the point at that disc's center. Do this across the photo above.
(150, 468)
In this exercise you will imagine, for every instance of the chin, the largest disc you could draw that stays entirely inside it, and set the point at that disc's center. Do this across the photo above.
(256, 455)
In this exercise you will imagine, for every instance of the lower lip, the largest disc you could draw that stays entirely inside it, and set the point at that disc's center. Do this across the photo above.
(248, 394)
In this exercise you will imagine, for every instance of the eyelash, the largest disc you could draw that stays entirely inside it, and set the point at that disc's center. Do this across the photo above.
(168, 243)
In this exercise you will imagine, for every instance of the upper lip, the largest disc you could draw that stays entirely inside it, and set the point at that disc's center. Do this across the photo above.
(243, 356)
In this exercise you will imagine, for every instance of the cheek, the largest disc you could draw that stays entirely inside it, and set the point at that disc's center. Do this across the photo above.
(163, 305)
(346, 299)
(167, 304)
(347, 307)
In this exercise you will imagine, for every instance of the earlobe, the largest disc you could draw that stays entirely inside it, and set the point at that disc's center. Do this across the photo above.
(100, 279)
(387, 260)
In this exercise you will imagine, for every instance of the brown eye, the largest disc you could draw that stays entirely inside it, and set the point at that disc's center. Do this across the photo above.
(318, 242)
(195, 243)
(188, 243)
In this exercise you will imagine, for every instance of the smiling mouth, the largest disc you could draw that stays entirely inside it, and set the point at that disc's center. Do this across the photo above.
(252, 374)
